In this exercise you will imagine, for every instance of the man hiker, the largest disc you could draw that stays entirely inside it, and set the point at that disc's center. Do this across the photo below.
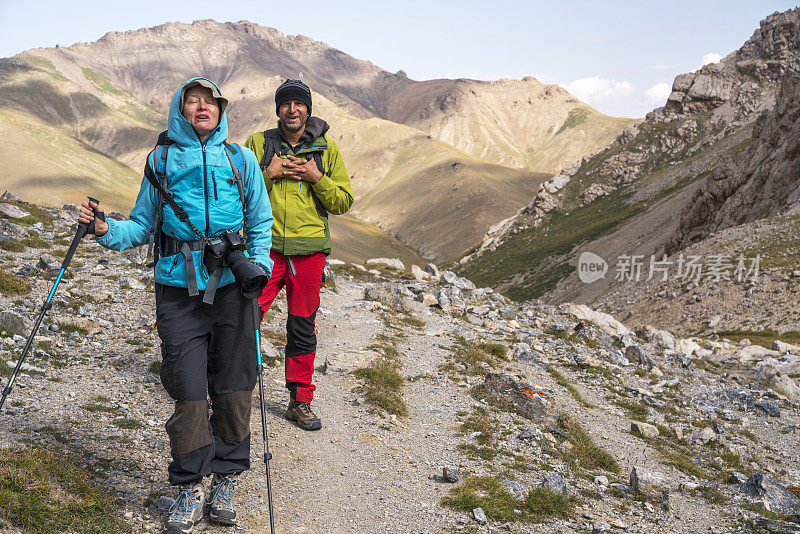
(205, 322)
(306, 180)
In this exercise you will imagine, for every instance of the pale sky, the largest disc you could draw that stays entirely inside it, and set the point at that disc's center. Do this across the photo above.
(619, 56)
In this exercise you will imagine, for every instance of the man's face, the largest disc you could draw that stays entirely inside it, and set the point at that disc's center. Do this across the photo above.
(293, 115)
(201, 109)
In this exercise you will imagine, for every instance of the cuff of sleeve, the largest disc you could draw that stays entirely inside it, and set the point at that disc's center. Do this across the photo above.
(325, 183)
(106, 239)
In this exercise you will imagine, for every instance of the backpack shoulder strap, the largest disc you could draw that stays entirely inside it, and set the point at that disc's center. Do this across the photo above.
(272, 146)
(166, 195)
(231, 150)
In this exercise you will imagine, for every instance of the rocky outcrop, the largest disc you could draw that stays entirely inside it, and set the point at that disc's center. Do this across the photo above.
(761, 183)
(765, 58)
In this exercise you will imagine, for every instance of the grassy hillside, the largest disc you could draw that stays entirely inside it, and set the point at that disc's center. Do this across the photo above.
(634, 219)
(44, 165)
(354, 241)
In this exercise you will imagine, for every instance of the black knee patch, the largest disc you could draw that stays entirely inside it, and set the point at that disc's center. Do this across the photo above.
(300, 335)
(230, 417)
(188, 427)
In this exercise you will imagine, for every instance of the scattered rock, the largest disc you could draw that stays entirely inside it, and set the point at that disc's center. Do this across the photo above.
(451, 474)
(647, 430)
(637, 355)
(391, 262)
(512, 390)
(429, 300)
(555, 483)
(650, 484)
(773, 496)
(419, 274)
(12, 324)
(131, 283)
(387, 294)
(479, 515)
(11, 211)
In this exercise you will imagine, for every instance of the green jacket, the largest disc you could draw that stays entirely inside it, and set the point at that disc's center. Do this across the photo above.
(300, 226)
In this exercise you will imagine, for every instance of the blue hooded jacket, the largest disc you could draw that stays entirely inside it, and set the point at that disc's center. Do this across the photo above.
(201, 179)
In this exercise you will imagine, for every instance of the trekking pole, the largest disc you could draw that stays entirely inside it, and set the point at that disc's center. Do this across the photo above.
(83, 229)
(267, 454)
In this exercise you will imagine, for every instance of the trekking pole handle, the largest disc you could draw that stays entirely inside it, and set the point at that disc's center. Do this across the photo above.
(90, 228)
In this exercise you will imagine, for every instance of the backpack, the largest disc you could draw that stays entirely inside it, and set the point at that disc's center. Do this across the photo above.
(272, 146)
(159, 180)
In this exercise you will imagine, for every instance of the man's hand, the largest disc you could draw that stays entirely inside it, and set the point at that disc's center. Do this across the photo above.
(275, 168)
(296, 168)
(87, 216)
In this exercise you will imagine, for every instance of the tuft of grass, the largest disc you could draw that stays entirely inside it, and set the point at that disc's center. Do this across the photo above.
(760, 510)
(634, 409)
(155, 367)
(561, 381)
(481, 421)
(96, 407)
(5, 369)
(761, 337)
(12, 245)
(711, 494)
(35, 242)
(584, 452)
(684, 464)
(488, 493)
(68, 328)
(383, 383)
(276, 336)
(128, 424)
(45, 493)
(12, 285)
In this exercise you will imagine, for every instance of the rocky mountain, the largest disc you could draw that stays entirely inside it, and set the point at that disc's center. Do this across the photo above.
(398, 135)
(659, 186)
(445, 408)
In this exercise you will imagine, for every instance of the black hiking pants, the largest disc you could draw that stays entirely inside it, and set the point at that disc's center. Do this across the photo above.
(207, 351)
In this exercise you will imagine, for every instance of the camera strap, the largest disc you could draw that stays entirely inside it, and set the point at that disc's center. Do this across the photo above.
(211, 285)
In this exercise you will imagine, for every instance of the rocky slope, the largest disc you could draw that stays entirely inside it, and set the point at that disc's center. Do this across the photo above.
(507, 417)
(628, 199)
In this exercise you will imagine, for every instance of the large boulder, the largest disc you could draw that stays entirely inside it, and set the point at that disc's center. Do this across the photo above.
(604, 321)
(775, 497)
(391, 262)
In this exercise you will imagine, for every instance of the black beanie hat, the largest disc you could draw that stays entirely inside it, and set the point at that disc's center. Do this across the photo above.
(293, 90)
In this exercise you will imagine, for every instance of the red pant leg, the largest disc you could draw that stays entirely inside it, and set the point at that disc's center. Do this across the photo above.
(276, 281)
(302, 295)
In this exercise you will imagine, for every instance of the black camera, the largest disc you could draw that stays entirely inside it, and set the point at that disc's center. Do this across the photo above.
(228, 249)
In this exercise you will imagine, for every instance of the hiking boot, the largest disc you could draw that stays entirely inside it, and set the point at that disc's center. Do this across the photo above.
(301, 413)
(187, 510)
(220, 501)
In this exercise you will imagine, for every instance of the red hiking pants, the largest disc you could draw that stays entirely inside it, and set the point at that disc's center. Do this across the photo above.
(302, 296)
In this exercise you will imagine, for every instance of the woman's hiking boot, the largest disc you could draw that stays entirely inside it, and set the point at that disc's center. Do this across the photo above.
(301, 413)
(187, 510)
(220, 500)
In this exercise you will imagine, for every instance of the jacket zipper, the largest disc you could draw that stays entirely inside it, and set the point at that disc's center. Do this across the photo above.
(205, 189)
(214, 181)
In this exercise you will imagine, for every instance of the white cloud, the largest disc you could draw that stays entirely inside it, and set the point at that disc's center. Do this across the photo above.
(711, 57)
(595, 89)
(657, 95)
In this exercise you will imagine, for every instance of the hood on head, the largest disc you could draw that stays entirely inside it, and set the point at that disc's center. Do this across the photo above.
(180, 130)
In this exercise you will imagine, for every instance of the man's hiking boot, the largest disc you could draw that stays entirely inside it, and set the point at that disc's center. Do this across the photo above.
(301, 413)
(187, 510)
(220, 500)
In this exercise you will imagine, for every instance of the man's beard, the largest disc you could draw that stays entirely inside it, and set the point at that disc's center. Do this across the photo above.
(292, 128)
